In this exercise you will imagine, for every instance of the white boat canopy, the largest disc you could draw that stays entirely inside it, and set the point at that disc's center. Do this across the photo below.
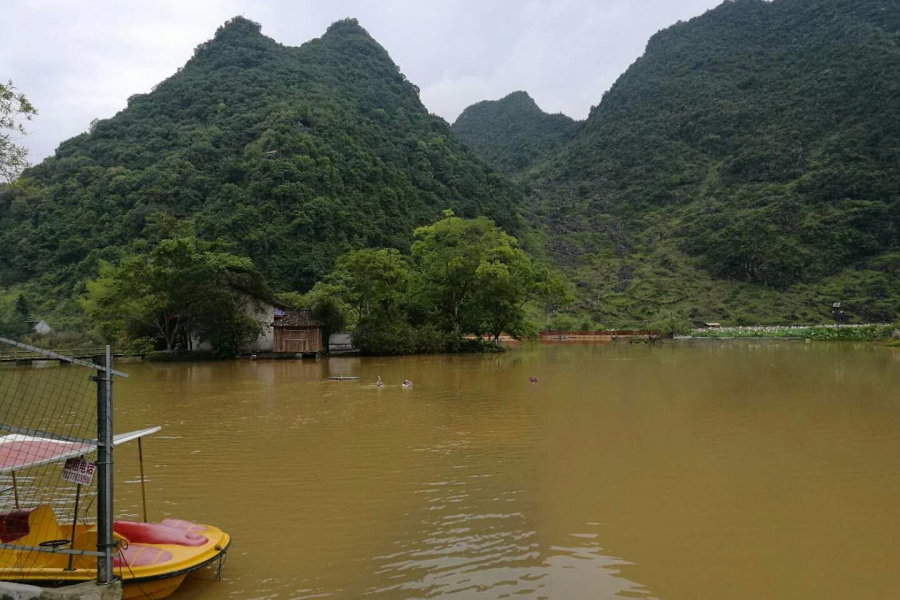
(19, 452)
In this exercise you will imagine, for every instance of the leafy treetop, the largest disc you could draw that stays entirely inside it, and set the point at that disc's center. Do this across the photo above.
(14, 107)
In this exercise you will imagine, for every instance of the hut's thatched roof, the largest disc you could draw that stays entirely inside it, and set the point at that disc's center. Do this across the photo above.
(297, 318)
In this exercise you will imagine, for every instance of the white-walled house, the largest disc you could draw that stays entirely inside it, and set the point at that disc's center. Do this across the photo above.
(283, 330)
(41, 327)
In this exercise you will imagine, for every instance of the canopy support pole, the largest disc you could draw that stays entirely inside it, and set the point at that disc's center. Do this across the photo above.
(15, 490)
(105, 544)
(74, 522)
(143, 487)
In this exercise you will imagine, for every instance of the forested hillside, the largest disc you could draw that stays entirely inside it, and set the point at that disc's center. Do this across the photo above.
(745, 169)
(513, 133)
(288, 155)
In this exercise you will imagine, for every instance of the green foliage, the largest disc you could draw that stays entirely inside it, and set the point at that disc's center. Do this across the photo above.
(670, 324)
(562, 322)
(228, 330)
(292, 300)
(14, 106)
(471, 277)
(587, 325)
(140, 346)
(746, 169)
(466, 277)
(12, 328)
(328, 305)
(329, 311)
(12, 324)
(64, 340)
(398, 337)
(570, 322)
(512, 133)
(448, 256)
(289, 156)
(183, 290)
(895, 335)
(328, 308)
(373, 282)
(179, 356)
(23, 308)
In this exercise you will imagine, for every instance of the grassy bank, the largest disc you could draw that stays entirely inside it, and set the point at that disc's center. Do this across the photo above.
(809, 332)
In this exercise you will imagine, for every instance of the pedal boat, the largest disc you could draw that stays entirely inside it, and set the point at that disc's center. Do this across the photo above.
(151, 559)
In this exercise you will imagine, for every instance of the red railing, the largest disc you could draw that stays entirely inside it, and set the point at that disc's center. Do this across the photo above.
(577, 334)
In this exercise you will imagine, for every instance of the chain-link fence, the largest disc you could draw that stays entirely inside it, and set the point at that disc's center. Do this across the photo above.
(55, 465)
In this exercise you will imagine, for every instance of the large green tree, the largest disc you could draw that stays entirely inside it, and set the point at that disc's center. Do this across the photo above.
(373, 282)
(506, 281)
(460, 263)
(464, 277)
(181, 291)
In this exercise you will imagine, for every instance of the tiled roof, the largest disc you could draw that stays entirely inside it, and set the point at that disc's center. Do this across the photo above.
(297, 318)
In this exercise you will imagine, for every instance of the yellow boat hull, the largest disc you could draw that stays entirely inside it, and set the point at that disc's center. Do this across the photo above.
(154, 590)
(153, 570)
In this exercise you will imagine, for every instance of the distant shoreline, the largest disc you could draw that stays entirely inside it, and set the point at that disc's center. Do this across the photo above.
(874, 332)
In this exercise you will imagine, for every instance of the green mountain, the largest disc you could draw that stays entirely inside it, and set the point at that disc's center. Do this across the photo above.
(745, 169)
(288, 155)
(513, 133)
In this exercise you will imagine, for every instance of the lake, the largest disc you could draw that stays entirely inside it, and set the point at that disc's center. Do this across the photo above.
(738, 470)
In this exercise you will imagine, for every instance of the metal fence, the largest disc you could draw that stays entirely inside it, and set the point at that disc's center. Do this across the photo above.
(56, 465)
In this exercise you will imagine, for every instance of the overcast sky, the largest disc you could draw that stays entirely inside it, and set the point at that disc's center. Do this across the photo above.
(80, 60)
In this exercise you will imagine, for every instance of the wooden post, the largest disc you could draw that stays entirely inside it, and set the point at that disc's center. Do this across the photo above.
(143, 487)
(15, 490)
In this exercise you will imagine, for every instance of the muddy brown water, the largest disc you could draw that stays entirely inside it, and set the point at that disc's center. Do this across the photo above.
(739, 470)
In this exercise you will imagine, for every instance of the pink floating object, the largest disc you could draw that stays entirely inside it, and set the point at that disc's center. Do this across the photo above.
(152, 533)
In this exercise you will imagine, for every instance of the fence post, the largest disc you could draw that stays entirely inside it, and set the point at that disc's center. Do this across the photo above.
(105, 471)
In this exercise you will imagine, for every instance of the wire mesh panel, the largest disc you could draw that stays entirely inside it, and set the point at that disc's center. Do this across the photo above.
(48, 447)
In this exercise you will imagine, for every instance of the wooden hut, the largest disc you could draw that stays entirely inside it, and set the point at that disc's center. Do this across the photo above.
(296, 332)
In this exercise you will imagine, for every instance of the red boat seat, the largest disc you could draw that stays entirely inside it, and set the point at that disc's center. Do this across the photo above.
(153, 533)
(183, 525)
(141, 555)
(29, 527)
(13, 525)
